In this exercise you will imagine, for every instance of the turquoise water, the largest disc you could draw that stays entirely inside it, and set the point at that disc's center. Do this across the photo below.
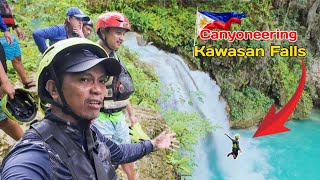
(293, 155)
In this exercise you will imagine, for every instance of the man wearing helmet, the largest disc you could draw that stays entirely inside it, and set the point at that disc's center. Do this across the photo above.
(72, 77)
(111, 28)
(87, 28)
(235, 145)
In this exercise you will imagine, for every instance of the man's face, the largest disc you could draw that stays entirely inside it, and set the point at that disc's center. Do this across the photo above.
(115, 37)
(86, 29)
(84, 91)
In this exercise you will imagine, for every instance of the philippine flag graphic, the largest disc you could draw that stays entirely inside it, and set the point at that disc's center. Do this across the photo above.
(222, 21)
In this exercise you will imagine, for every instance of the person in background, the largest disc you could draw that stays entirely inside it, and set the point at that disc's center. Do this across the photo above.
(72, 27)
(7, 125)
(87, 28)
(111, 28)
(12, 50)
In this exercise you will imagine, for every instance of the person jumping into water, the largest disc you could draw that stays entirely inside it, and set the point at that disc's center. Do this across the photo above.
(235, 145)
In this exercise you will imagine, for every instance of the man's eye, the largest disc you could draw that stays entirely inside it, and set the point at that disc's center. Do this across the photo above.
(84, 80)
(104, 81)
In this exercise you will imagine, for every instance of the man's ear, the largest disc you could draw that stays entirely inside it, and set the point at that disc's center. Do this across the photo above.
(68, 19)
(52, 89)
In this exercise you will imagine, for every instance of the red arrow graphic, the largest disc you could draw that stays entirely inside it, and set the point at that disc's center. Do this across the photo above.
(273, 123)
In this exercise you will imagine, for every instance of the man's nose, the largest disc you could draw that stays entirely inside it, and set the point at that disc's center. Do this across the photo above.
(98, 88)
(121, 37)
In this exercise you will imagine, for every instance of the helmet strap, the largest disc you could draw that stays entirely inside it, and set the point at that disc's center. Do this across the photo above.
(64, 106)
(103, 39)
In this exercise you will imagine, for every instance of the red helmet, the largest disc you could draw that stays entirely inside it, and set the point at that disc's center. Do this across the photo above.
(113, 19)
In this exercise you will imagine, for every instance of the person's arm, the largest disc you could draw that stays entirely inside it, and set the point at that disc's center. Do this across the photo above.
(5, 30)
(6, 86)
(228, 136)
(126, 153)
(3, 26)
(19, 32)
(42, 34)
(131, 114)
(30, 162)
(135, 151)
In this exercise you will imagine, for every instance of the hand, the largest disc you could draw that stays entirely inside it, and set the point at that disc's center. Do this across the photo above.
(165, 141)
(8, 37)
(133, 120)
(19, 33)
(78, 30)
(8, 88)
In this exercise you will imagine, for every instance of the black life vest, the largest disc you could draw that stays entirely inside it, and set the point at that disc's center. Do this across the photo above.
(123, 79)
(120, 89)
(97, 166)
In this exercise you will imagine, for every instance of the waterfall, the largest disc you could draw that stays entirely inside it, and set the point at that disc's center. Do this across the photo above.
(197, 87)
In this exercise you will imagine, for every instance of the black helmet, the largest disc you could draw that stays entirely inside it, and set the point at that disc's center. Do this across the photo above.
(90, 23)
(23, 108)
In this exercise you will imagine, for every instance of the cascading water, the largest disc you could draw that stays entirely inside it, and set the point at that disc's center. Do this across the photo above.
(190, 85)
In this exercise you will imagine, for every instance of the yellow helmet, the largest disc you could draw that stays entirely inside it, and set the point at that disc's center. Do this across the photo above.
(23, 108)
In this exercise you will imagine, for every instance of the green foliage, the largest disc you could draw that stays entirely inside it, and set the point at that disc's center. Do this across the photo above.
(41, 13)
(161, 23)
(246, 104)
(158, 23)
(113, 5)
(286, 80)
(189, 127)
(304, 107)
(146, 83)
